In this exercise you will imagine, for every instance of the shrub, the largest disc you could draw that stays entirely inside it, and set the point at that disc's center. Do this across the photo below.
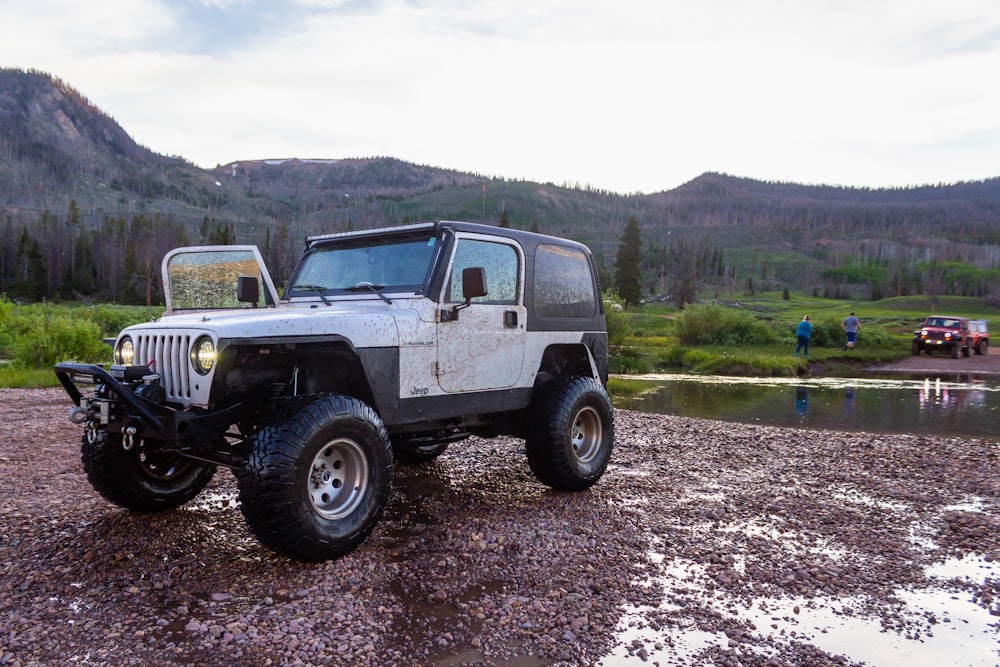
(619, 325)
(671, 356)
(38, 335)
(111, 319)
(829, 333)
(6, 335)
(712, 324)
(628, 360)
(57, 338)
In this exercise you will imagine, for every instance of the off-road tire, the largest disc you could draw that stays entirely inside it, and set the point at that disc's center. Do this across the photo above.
(316, 483)
(983, 347)
(955, 351)
(141, 479)
(408, 454)
(570, 446)
(915, 347)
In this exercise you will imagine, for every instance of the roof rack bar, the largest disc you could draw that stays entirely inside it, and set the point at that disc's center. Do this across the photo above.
(417, 226)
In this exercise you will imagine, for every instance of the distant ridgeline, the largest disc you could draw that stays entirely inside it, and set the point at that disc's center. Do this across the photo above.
(85, 211)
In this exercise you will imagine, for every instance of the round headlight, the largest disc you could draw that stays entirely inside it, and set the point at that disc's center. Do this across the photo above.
(124, 351)
(203, 355)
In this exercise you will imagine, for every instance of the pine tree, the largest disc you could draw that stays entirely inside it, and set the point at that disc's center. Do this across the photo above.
(684, 286)
(38, 276)
(21, 258)
(628, 265)
(504, 220)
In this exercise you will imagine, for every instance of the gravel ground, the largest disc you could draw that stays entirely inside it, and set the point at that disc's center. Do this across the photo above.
(694, 523)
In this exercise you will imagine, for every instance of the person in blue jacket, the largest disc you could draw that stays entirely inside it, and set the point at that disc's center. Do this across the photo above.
(803, 333)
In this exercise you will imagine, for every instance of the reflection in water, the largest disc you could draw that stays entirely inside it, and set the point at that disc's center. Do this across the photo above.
(848, 408)
(924, 405)
(802, 402)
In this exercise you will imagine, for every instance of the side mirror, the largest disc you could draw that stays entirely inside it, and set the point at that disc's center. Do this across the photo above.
(473, 283)
(248, 290)
(473, 286)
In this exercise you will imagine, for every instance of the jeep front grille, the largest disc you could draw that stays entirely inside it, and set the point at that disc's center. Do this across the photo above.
(171, 353)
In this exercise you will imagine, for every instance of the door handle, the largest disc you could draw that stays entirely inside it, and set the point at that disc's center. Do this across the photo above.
(510, 319)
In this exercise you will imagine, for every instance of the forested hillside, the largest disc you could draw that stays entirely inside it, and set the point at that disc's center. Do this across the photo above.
(87, 213)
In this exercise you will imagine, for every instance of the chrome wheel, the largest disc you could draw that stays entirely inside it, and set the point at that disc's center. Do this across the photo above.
(586, 434)
(337, 478)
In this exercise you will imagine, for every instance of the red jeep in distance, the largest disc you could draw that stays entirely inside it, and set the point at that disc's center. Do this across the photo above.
(945, 333)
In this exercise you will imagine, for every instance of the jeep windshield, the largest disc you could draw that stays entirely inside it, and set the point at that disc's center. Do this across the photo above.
(397, 263)
(206, 277)
(942, 322)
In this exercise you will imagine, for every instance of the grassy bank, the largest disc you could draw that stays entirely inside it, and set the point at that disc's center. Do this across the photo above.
(756, 336)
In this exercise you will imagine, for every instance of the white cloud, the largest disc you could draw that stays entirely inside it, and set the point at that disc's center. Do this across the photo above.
(632, 95)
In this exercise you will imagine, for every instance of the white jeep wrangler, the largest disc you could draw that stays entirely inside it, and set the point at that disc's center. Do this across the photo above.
(388, 344)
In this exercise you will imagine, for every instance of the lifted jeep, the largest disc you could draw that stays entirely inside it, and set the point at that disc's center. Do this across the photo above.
(387, 346)
(942, 332)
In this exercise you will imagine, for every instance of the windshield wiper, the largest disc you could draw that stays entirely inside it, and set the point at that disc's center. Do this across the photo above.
(314, 288)
(365, 285)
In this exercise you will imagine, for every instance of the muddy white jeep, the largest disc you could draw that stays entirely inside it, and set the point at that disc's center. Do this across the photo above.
(387, 345)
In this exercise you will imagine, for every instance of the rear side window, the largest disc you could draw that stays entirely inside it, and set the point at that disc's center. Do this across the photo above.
(563, 284)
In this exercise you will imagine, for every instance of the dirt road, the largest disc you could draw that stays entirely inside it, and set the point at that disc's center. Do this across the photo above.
(987, 364)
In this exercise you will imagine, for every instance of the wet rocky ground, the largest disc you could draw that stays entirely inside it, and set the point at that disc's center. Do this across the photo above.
(706, 543)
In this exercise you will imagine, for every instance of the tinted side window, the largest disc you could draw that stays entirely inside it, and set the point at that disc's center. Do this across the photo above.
(500, 262)
(562, 283)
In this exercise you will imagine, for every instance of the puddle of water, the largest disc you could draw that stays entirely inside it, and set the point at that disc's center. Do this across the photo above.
(938, 623)
(929, 405)
(970, 568)
(755, 528)
(853, 496)
(960, 636)
(967, 505)
(946, 627)
(213, 501)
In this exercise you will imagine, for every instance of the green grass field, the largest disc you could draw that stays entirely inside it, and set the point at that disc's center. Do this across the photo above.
(650, 339)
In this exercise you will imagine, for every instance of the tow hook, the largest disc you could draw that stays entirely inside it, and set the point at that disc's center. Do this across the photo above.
(93, 432)
(128, 438)
(78, 415)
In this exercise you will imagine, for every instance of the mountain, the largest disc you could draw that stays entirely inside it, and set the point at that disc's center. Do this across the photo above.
(70, 174)
(56, 146)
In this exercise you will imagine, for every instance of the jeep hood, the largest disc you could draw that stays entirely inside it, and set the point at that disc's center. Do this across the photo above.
(372, 325)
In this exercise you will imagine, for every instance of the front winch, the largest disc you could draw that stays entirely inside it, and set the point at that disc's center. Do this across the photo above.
(151, 390)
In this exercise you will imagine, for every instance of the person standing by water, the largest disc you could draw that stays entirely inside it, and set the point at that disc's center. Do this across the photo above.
(803, 332)
(851, 325)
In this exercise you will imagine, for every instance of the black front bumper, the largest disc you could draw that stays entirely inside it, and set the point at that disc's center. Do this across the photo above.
(199, 431)
(68, 372)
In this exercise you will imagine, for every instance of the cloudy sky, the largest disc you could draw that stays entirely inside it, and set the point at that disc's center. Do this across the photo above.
(624, 95)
